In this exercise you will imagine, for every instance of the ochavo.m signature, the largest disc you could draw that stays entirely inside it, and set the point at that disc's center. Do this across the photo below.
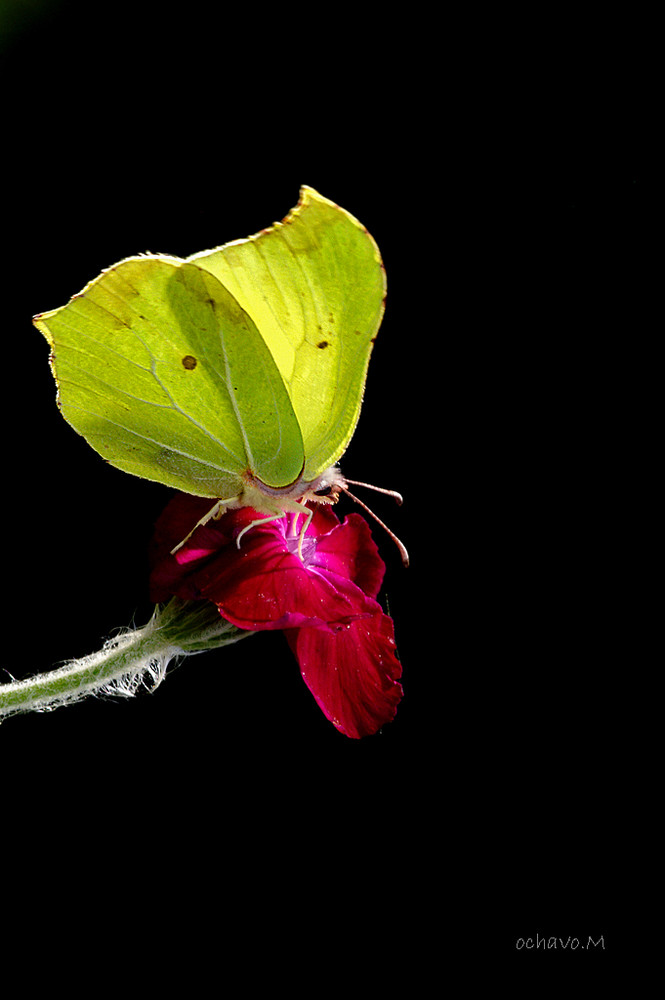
(559, 944)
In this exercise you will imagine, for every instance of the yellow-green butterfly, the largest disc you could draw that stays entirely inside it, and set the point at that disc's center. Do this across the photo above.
(237, 373)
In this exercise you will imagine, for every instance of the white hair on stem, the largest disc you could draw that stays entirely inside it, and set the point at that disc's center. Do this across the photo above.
(135, 659)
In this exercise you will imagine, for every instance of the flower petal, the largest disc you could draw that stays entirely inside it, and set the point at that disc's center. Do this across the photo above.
(264, 584)
(171, 574)
(353, 672)
(350, 551)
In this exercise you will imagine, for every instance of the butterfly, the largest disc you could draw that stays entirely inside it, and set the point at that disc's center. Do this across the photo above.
(237, 373)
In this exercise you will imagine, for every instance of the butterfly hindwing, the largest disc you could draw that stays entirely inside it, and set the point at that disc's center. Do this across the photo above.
(151, 361)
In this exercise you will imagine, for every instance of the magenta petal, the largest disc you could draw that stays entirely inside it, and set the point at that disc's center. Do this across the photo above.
(174, 574)
(353, 673)
(350, 551)
(320, 589)
(265, 586)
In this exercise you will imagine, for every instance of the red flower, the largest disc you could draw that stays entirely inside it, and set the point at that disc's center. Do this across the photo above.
(325, 601)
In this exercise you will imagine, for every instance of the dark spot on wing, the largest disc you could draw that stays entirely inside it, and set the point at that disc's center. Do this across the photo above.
(189, 362)
(322, 344)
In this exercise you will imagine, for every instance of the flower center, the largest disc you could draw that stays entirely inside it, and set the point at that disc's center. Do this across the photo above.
(308, 547)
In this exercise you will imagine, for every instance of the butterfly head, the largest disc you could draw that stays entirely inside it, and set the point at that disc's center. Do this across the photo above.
(326, 488)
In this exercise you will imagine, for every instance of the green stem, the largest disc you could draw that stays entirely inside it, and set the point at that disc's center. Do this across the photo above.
(136, 658)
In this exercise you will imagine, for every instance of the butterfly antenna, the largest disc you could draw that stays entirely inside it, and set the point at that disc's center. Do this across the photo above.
(377, 489)
(402, 548)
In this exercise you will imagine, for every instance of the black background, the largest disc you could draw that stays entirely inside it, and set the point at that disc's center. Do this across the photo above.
(509, 399)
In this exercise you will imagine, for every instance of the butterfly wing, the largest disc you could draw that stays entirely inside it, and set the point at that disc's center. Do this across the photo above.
(167, 377)
(315, 286)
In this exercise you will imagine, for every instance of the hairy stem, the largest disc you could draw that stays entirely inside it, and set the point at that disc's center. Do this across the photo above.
(136, 658)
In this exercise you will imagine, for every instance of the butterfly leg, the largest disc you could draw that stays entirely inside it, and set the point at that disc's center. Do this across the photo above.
(213, 514)
(310, 514)
(261, 520)
(289, 505)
